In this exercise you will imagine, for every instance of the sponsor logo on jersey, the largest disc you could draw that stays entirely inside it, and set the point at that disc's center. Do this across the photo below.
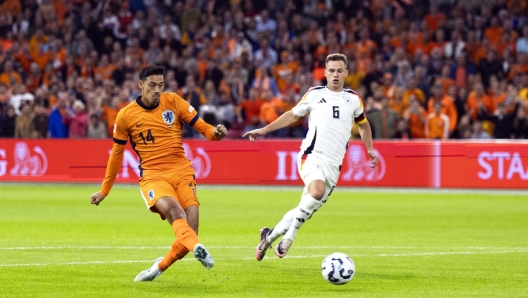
(168, 117)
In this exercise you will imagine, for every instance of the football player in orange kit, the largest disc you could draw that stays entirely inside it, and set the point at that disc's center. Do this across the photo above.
(153, 124)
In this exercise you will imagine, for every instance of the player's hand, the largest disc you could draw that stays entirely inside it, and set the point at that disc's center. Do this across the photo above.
(220, 132)
(96, 198)
(254, 134)
(373, 159)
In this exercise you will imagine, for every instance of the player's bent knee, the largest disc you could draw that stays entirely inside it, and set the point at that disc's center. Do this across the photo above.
(174, 213)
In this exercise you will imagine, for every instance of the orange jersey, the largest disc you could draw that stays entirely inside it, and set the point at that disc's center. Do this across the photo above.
(437, 126)
(448, 109)
(252, 110)
(155, 135)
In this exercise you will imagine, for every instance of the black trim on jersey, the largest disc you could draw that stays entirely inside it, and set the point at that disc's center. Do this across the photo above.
(350, 91)
(317, 87)
(194, 120)
(141, 104)
(139, 156)
(120, 142)
(312, 145)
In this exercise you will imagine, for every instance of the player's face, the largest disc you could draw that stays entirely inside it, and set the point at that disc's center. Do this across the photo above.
(335, 74)
(151, 89)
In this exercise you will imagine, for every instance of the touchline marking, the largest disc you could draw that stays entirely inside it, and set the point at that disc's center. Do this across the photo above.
(287, 257)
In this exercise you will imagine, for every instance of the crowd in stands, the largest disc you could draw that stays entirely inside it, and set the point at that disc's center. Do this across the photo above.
(437, 69)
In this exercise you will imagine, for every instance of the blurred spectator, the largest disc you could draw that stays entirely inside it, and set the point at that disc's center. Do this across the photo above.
(5, 95)
(446, 102)
(57, 127)
(490, 66)
(250, 110)
(41, 122)
(477, 100)
(9, 76)
(225, 110)
(264, 82)
(24, 127)
(270, 110)
(437, 126)
(354, 78)
(403, 132)
(460, 70)
(416, 118)
(384, 120)
(522, 43)
(7, 122)
(501, 119)
(520, 124)
(96, 128)
(478, 133)
(20, 97)
(294, 130)
(109, 115)
(266, 54)
(77, 121)
(238, 45)
(413, 91)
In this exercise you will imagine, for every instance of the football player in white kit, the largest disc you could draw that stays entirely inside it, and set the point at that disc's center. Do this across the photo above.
(333, 110)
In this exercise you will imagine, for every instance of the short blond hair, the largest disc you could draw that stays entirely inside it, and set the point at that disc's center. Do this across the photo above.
(337, 57)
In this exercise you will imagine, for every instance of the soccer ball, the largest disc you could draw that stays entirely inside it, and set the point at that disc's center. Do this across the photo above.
(338, 268)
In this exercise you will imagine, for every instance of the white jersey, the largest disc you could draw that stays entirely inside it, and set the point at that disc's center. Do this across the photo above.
(332, 115)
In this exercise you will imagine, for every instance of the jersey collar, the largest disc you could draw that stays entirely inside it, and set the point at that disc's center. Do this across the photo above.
(141, 104)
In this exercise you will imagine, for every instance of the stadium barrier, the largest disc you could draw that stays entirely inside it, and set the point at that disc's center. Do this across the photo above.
(436, 164)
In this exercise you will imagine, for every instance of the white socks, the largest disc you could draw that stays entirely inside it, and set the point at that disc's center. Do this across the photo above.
(282, 227)
(301, 214)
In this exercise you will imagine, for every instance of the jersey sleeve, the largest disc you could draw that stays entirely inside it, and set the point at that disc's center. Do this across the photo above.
(359, 113)
(190, 116)
(120, 132)
(304, 105)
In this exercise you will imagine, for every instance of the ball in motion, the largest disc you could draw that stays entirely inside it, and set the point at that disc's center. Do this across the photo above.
(338, 268)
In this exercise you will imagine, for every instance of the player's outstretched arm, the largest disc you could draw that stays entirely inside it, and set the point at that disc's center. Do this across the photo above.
(284, 120)
(366, 135)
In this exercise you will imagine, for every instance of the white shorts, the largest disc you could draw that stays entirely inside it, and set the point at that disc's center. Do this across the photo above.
(311, 168)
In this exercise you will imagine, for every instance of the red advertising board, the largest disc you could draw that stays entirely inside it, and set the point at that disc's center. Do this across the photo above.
(274, 162)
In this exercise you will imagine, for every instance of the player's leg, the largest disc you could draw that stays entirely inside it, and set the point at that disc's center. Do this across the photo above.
(310, 201)
(187, 198)
(267, 236)
(178, 250)
(311, 171)
(154, 191)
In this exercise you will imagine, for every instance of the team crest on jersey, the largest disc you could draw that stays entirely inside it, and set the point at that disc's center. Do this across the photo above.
(347, 99)
(151, 194)
(168, 116)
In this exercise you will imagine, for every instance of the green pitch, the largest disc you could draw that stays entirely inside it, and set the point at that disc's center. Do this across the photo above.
(404, 244)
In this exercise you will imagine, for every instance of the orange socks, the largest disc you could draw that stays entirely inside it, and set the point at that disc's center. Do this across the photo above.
(186, 239)
(177, 252)
(185, 234)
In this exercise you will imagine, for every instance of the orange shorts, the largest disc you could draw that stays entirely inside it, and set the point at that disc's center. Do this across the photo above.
(180, 186)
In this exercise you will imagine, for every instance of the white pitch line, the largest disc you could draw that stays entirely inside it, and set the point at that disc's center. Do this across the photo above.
(252, 247)
(288, 257)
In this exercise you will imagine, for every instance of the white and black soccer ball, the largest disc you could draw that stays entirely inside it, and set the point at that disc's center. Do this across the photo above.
(338, 268)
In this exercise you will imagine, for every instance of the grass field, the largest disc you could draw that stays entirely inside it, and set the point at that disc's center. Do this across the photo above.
(404, 244)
